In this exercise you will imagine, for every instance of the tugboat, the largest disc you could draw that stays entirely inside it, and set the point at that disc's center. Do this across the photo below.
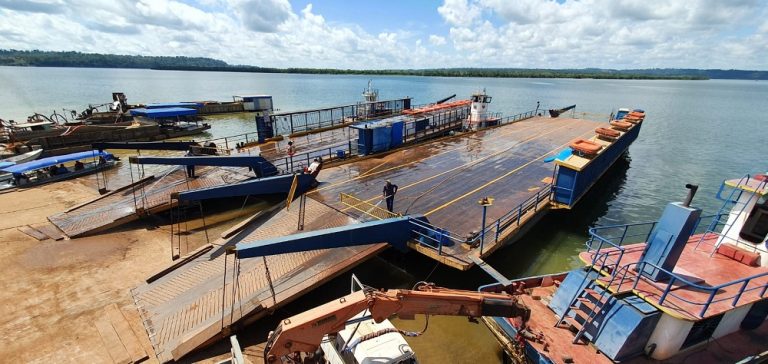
(694, 290)
(479, 117)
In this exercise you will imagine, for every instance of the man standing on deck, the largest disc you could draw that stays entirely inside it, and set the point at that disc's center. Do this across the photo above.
(191, 167)
(389, 194)
(290, 150)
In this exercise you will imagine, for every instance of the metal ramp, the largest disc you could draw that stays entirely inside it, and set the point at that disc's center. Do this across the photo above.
(200, 299)
(148, 195)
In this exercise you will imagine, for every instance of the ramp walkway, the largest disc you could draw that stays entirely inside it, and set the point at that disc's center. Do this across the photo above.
(129, 203)
(198, 300)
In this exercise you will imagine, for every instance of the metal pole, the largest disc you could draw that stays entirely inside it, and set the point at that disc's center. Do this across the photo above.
(482, 231)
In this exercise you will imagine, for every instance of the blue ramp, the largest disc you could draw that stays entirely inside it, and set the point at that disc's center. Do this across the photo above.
(263, 186)
(395, 231)
(261, 166)
(162, 145)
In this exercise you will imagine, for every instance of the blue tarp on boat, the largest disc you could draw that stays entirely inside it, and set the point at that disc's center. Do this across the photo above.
(47, 162)
(167, 112)
(6, 164)
(165, 105)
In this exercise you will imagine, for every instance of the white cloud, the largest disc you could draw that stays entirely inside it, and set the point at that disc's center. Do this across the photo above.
(611, 33)
(459, 12)
(436, 40)
(473, 33)
(263, 15)
(35, 6)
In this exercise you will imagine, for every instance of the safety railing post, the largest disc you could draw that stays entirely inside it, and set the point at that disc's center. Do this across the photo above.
(498, 223)
(706, 305)
(741, 290)
(640, 268)
(666, 291)
(624, 235)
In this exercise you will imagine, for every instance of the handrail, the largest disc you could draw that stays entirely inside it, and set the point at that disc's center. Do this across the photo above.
(428, 231)
(514, 215)
(713, 289)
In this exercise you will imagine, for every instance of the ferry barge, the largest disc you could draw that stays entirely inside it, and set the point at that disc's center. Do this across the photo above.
(281, 254)
(695, 287)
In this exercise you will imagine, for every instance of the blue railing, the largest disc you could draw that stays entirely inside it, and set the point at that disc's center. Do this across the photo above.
(713, 290)
(617, 236)
(432, 236)
(512, 218)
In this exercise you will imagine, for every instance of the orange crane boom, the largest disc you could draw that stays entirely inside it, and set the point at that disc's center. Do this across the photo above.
(304, 332)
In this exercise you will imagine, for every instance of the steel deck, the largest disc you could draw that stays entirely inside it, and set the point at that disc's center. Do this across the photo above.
(446, 179)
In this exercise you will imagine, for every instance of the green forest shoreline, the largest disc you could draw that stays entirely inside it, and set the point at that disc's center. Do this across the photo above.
(176, 63)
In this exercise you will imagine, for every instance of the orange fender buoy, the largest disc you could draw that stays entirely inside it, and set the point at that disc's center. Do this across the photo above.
(607, 133)
(585, 147)
(621, 125)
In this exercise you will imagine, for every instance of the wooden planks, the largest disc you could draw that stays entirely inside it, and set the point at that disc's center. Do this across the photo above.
(112, 342)
(50, 231)
(26, 229)
(118, 337)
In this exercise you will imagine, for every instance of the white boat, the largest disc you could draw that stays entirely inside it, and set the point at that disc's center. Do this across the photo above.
(24, 157)
(16, 159)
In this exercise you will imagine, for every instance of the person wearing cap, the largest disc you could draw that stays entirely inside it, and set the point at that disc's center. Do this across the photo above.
(389, 194)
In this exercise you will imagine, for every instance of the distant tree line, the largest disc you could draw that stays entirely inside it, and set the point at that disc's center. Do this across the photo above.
(77, 59)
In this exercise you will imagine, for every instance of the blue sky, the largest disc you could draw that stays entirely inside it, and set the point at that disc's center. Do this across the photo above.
(617, 34)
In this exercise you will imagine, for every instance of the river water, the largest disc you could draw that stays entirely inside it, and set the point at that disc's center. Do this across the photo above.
(695, 132)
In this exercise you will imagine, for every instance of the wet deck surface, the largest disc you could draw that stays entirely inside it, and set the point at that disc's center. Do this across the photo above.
(195, 302)
(697, 266)
(445, 180)
(306, 143)
(152, 196)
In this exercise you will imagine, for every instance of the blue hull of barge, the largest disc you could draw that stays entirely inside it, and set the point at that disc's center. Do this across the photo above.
(570, 185)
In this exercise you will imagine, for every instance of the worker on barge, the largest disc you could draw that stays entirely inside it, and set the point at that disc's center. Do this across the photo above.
(389, 194)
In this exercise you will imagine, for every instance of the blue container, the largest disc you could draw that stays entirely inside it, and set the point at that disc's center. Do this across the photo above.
(364, 141)
(382, 136)
(397, 134)
(340, 153)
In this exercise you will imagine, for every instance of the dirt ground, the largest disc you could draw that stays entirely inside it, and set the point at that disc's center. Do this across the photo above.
(53, 291)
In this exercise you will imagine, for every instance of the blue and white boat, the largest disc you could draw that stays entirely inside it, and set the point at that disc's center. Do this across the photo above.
(688, 288)
(175, 119)
(47, 170)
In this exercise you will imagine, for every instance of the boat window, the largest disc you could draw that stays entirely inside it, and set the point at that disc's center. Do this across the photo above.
(756, 227)
(702, 330)
(488, 99)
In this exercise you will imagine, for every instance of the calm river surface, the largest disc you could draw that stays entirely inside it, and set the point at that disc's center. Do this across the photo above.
(695, 132)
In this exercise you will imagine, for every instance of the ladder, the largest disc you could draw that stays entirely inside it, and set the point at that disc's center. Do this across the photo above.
(587, 304)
